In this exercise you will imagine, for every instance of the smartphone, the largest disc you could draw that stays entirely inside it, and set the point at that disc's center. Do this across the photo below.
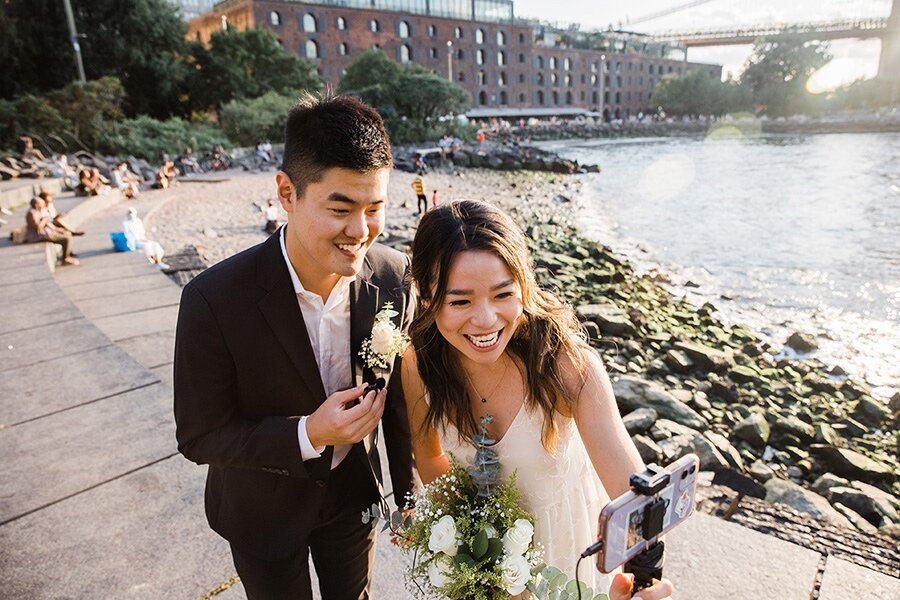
(623, 521)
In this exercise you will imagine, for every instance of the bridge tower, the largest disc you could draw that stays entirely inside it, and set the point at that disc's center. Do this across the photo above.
(889, 62)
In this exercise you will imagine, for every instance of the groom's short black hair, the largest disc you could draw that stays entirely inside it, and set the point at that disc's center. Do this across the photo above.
(333, 131)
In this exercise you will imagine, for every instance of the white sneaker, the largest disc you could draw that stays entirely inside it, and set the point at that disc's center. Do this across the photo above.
(161, 266)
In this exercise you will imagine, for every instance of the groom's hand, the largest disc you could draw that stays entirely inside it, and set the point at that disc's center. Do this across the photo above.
(335, 423)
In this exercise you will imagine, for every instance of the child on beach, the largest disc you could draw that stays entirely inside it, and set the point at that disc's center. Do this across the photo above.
(434, 199)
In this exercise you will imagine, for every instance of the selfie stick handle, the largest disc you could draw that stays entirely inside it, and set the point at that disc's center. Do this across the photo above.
(647, 566)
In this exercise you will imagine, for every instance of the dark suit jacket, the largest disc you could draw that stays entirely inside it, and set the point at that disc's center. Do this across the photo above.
(244, 374)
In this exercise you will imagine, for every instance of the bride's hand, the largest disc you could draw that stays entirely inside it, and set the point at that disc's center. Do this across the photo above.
(622, 583)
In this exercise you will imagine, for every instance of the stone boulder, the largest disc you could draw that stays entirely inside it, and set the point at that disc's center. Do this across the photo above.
(852, 464)
(754, 430)
(802, 342)
(633, 393)
(805, 501)
(864, 505)
(461, 159)
(612, 320)
(726, 449)
(648, 449)
(826, 482)
(871, 412)
(705, 357)
(640, 420)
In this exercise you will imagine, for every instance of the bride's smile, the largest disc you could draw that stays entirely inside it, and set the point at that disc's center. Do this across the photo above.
(482, 307)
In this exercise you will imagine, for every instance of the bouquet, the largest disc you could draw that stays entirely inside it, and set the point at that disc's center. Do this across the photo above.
(472, 540)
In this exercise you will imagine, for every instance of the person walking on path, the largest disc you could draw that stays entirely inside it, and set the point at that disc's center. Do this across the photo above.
(418, 185)
(269, 379)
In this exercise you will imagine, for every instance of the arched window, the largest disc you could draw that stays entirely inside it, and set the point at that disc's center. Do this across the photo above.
(432, 31)
(461, 76)
(343, 49)
(540, 97)
(521, 38)
(554, 79)
(341, 23)
(595, 98)
(594, 67)
(479, 36)
(460, 55)
(481, 77)
(540, 62)
(618, 67)
(432, 53)
(521, 77)
(275, 19)
(501, 38)
(501, 78)
(650, 69)
(374, 26)
(521, 57)
(521, 97)
(501, 58)
(553, 62)
(568, 80)
(479, 57)
(458, 32)
(403, 29)
(618, 97)
(482, 98)
(651, 86)
(593, 80)
(567, 64)
(555, 98)
(312, 49)
(405, 53)
(503, 99)
(309, 23)
(540, 79)
(581, 95)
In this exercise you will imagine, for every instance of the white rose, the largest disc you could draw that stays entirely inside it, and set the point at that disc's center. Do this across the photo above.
(382, 338)
(518, 537)
(515, 573)
(443, 536)
(439, 570)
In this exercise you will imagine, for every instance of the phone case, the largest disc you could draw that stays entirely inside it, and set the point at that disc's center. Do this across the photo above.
(621, 519)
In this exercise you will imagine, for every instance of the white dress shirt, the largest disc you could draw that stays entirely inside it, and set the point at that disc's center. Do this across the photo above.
(328, 327)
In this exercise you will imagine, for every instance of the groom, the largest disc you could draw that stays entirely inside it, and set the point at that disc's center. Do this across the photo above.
(268, 374)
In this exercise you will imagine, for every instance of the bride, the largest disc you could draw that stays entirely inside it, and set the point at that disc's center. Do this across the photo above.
(487, 341)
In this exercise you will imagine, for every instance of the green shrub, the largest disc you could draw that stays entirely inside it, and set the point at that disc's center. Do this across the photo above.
(246, 122)
(27, 114)
(146, 137)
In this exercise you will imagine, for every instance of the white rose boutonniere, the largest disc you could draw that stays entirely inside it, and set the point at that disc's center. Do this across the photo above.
(515, 572)
(386, 342)
(443, 536)
(517, 539)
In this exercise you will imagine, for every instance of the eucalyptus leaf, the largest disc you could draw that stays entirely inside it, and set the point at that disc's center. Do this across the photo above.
(376, 511)
(550, 572)
(601, 596)
(386, 526)
(480, 545)
(540, 589)
(396, 519)
(573, 586)
(559, 581)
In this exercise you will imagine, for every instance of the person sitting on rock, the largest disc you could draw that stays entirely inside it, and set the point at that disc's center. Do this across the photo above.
(39, 228)
(189, 164)
(136, 234)
(124, 180)
(27, 152)
(166, 175)
(90, 182)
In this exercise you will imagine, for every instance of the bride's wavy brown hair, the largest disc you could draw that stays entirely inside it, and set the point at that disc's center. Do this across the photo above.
(547, 332)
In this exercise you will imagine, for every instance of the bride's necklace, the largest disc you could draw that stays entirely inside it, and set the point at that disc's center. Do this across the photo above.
(484, 398)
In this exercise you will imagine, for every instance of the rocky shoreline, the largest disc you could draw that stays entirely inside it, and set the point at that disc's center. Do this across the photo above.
(685, 381)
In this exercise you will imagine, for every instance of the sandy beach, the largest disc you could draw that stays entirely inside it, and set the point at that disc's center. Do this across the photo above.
(223, 218)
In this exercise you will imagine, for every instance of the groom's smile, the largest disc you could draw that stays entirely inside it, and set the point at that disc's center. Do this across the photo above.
(332, 224)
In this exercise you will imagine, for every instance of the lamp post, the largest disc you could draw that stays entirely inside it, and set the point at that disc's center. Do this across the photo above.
(73, 35)
(449, 60)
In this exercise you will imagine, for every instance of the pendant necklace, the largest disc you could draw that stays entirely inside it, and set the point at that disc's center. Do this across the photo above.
(484, 399)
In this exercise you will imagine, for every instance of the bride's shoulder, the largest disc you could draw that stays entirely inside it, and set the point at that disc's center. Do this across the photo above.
(579, 365)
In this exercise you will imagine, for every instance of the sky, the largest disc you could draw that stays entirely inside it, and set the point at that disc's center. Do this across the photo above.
(853, 59)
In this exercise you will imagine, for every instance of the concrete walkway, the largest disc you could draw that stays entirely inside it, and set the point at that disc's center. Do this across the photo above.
(96, 503)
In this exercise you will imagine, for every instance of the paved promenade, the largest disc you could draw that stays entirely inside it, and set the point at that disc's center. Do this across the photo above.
(95, 502)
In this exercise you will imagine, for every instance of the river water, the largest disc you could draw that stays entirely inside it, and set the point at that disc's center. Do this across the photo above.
(784, 233)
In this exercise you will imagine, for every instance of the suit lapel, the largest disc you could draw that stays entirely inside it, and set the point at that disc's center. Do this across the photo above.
(363, 306)
(282, 312)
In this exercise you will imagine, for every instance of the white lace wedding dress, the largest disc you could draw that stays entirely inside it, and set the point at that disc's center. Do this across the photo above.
(562, 491)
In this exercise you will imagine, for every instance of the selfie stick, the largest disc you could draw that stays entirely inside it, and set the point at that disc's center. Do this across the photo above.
(648, 565)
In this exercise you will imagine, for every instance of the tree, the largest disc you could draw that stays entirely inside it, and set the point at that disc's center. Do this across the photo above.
(246, 122)
(778, 69)
(246, 64)
(698, 93)
(139, 41)
(410, 99)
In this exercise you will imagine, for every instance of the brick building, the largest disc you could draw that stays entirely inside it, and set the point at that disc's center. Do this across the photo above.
(502, 61)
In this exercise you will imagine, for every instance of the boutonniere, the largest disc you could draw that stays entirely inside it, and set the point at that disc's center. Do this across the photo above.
(386, 342)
